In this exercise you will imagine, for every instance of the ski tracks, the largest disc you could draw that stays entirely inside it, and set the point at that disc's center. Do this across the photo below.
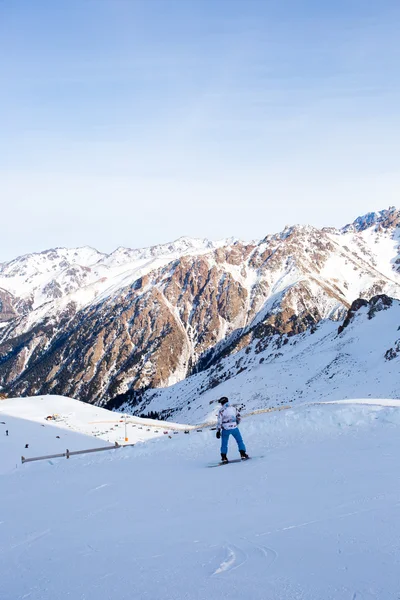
(247, 553)
(98, 487)
(357, 595)
(235, 559)
(30, 539)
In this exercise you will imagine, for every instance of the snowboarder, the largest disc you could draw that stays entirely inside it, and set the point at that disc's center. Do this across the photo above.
(227, 424)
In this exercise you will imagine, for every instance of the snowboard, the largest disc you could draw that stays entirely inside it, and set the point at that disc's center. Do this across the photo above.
(236, 460)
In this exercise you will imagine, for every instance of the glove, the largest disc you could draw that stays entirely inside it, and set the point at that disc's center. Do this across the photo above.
(218, 434)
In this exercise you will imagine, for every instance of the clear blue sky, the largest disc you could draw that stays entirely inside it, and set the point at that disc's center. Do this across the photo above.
(133, 122)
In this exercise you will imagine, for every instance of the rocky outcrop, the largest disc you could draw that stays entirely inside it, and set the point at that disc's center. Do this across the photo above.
(374, 305)
(7, 306)
(381, 220)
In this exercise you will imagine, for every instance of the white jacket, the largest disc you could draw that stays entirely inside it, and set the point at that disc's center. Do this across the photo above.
(228, 417)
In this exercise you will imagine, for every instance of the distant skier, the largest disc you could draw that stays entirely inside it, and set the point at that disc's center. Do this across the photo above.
(6, 431)
(227, 424)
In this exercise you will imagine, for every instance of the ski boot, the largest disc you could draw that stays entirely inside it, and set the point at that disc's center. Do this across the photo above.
(243, 455)
(224, 458)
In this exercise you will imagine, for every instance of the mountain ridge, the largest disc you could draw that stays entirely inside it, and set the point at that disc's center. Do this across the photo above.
(385, 217)
(97, 330)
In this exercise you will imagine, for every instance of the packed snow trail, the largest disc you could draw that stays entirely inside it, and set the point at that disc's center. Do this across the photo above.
(26, 421)
(316, 518)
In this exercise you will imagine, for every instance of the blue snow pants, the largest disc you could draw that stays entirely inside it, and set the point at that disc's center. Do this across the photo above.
(225, 433)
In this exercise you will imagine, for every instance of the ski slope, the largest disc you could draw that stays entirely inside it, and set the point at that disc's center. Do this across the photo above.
(75, 426)
(42, 439)
(314, 516)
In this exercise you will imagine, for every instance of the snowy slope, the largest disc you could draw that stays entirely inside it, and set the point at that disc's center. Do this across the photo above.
(42, 439)
(316, 518)
(318, 365)
(78, 426)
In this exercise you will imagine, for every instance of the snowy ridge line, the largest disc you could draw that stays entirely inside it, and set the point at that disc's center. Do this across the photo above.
(394, 403)
(69, 453)
(390, 402)
(244, 416)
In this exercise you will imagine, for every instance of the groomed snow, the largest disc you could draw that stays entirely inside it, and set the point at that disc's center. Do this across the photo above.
(315, 516)
(42, 439)
(370, 401)
(77, 424)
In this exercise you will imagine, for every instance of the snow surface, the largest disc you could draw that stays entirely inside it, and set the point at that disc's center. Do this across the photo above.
(42, 439)
(370, 401)
(378, 250)
(76, 423)
(314, 516)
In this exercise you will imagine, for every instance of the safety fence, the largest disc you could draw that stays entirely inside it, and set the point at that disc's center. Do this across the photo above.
(69, 453)
(268, 410)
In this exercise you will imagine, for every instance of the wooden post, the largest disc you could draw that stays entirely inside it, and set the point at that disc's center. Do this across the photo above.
(67, 453)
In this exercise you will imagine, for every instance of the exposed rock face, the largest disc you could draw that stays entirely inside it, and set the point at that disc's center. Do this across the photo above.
(7, 306)
(375, 304)
(394, 352)
(378, 303)
(93, 326)
(356, 305)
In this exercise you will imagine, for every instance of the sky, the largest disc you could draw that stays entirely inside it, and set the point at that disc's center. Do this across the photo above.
(135, 122)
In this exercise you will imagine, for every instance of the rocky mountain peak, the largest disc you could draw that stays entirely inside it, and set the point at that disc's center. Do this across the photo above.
(385, 219)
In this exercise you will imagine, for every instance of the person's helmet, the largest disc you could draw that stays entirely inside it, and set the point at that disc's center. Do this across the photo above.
(223, 400)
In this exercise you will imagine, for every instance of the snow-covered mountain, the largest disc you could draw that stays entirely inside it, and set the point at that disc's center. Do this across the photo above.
(95, 326)
(56, 274)
(359, 357)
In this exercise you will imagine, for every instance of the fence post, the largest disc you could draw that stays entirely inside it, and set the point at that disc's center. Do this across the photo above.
(67, 453)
